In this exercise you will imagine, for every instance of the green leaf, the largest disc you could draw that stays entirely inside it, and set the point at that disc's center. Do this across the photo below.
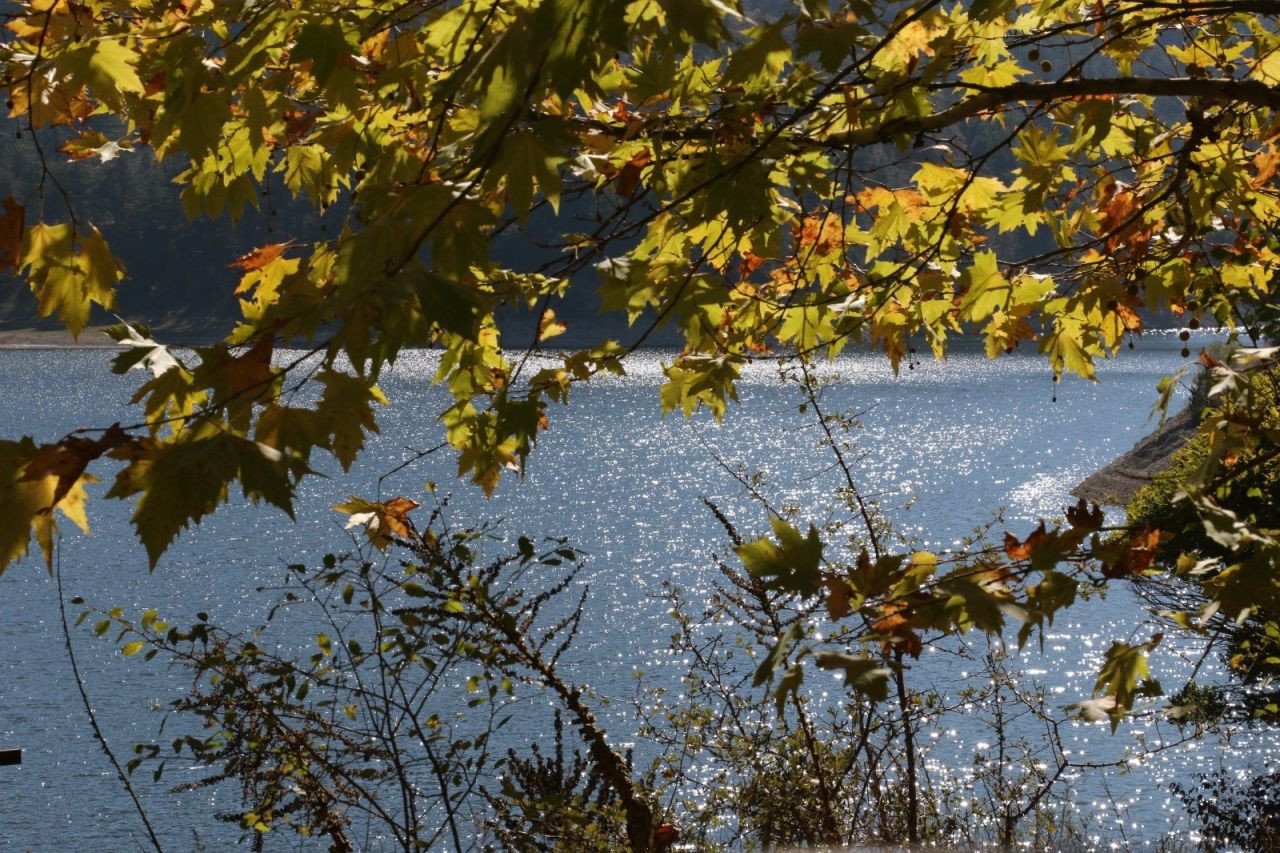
(68, 272)
(1066, 351)
(526, 159)
(699, 381)
(788, 685)
(20, 501)
(1122, 668)
(777, 655)
(323, 45)
(453, 306)
(107, 67)
(181, 483)
(758, 63)
(987, 290)
(792, 564)
(306, 171)
(865, 675)
(345, 412)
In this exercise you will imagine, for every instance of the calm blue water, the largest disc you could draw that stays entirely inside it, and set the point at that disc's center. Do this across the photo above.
(943, 447)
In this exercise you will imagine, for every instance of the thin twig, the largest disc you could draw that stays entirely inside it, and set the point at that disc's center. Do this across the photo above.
(88, 706)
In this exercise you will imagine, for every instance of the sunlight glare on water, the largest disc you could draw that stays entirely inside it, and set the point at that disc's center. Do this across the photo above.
(942, 447)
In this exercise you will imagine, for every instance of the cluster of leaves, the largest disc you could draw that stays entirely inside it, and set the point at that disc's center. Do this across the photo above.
(823, 768)
(1217, 501)
(889, 604)
(389, 716)
(548, 804)
(713, 169)
(781, 186)
(1209, 521)
(1234, 814)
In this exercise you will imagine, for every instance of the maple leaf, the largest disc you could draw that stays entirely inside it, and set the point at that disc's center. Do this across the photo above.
(346, 411)
(629, 174)
(297, 124)
(750, 263)
(395, 514)
(666, 834)
(84, 146)
(549, 326)
(1022, 550)
(180, 484)
(52, 21)
(260, 257)
(1139, 552)
(155, 84)
(1081, 517)
(1264, 164)
(379, 521)
(67, 460)
(140, 352)
(911, 200)
(897, 629)
(866, 675)
(1209, 361)
(250, 373)
(824, 234)
(11, 230)
(1131, 319)
(1123, 223)
(838, 594)
(238, 381)
(910, 40)
(793, 564)
(34, 481)
(67, 276)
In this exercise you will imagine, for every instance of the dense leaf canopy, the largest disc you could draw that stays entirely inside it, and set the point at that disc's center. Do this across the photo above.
(778, 181)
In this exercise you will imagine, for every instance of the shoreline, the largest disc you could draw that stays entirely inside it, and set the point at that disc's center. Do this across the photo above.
(91, 337)
(94, 337)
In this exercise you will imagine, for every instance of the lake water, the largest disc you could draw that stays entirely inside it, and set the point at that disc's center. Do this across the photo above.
(956, 441)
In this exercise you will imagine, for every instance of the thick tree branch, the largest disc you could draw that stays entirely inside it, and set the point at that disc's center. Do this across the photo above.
(1247, 91)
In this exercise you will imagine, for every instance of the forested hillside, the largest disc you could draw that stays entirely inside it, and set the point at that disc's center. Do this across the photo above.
(176, 273)
(176, 258)
(178, 279)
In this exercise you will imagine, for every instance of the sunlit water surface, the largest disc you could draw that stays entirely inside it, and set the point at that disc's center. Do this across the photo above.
(942, 446)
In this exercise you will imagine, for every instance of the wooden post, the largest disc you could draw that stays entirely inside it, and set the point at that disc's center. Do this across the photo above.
(10, 757)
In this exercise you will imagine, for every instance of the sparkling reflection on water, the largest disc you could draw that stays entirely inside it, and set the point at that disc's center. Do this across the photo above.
(942, 447)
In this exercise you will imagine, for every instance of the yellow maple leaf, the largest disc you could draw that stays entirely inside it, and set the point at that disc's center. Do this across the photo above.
(906, 44)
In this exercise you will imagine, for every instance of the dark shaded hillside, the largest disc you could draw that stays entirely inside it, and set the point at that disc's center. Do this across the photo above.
(177, 269)
(178, 278)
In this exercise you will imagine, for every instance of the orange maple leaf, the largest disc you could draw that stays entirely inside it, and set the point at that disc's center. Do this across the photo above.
(260, 257)
(12, 225)
(1265, 163)
(395, 514)
(1139, 553)
(250, 374)
(629, 174)
(1080, 516)
(823, 233)
(1022, 550)
(1130, 318)
(750, 263)
(911, 200)
(1209, 361)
